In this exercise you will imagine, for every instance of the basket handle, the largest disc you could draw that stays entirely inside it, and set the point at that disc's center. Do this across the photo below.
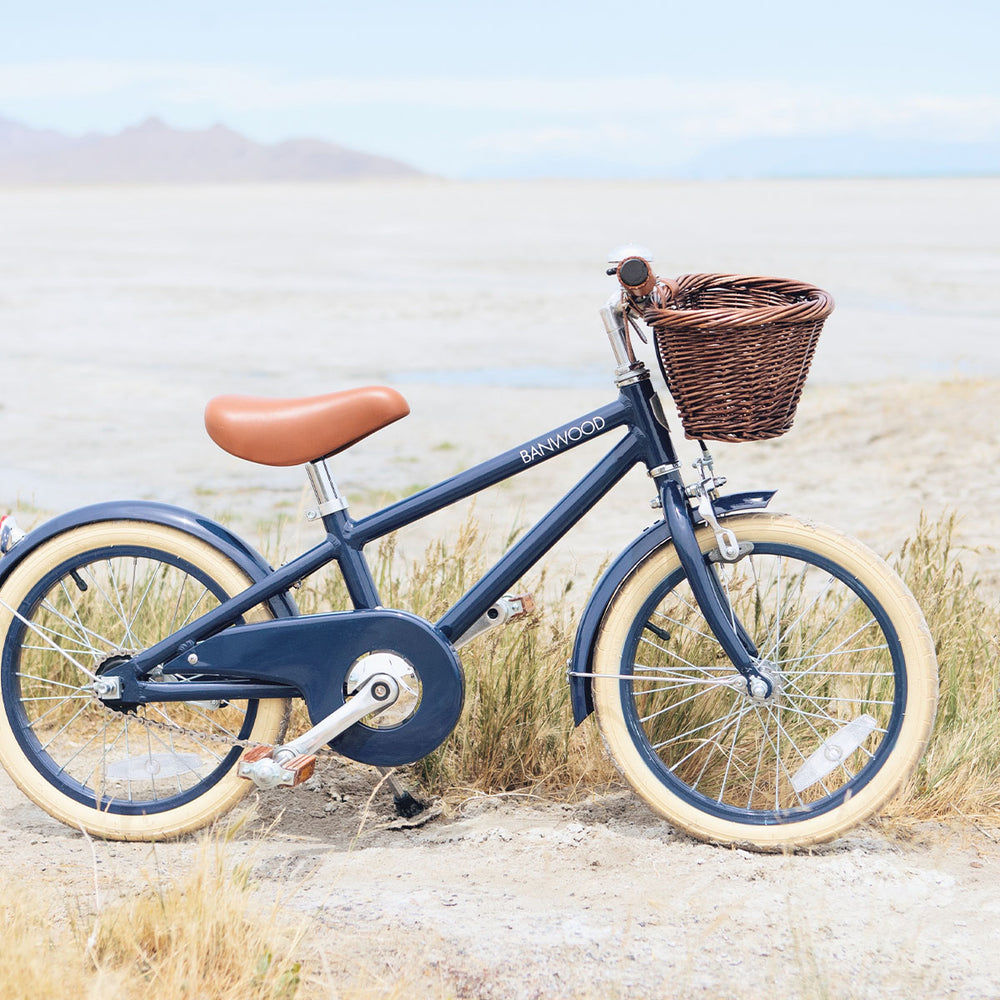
(664, 290)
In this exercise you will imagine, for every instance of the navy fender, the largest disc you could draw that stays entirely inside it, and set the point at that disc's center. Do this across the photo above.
(590, 622)
(215, 534)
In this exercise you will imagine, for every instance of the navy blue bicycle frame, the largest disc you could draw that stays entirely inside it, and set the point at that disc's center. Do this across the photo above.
(646, 440)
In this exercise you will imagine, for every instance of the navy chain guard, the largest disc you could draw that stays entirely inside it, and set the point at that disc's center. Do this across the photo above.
(315, 653)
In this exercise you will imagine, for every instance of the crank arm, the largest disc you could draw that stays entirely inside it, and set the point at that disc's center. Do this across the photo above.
(501, 612)
(293, 762)
(378, 692)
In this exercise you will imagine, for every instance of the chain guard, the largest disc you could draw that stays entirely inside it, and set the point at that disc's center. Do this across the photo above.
(315, 653)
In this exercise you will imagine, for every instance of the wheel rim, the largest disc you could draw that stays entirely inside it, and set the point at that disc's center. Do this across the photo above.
(74, 622)
(833, 657)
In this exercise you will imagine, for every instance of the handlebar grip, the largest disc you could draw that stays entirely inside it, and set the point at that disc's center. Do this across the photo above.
(636, 276)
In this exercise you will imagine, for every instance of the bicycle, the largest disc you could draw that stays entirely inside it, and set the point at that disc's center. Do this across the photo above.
(757, 680)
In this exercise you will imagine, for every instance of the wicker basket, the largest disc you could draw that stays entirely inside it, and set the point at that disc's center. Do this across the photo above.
(735, 350)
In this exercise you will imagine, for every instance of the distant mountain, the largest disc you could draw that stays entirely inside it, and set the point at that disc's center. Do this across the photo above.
(844, 156)
(153, 152)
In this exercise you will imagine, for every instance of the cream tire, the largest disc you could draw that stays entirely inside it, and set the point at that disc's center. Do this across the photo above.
(909, 725)
(26, 766)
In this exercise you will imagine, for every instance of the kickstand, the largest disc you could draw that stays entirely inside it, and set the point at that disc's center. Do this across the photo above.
(406, 804)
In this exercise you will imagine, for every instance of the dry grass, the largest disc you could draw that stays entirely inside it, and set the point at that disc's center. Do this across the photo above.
(197, 936)
(516, 732)
(960, 773)
(201, 934)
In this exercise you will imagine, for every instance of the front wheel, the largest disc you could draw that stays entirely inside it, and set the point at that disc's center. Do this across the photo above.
(73, 608)
(853, 674)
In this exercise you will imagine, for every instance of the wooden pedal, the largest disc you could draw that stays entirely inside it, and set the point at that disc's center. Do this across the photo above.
(256, 753)
(302, 767)
(258, 765)
(527, 602)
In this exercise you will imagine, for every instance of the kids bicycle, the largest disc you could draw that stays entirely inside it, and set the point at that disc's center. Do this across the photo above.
(757, 679)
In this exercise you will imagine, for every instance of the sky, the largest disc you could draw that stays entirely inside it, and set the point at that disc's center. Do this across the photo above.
(512, 88)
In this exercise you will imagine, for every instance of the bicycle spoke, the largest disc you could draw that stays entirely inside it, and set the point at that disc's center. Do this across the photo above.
(825, 717)
(54, 709)
(756, 775)
(80, 632)
(32, 627)
(136, 610)
(61, 698)
(128, 640)
(673, 706)
(839, 673)
(774, 741)
(690, 732)
(673, 655)
(47, 680)
(108, 602)
(75, 623)
(657, 676)
(686, 626)
(170, 748)
(194, 607)
(128, 748)
(729, 761)
(728, 721)
(201, 713)
(832, 665)
(197, 739)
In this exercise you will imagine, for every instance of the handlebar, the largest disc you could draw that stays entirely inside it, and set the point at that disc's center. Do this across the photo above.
(632, 265)
(636, 276)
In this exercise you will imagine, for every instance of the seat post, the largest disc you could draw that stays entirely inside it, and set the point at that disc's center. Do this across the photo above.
(328, 498)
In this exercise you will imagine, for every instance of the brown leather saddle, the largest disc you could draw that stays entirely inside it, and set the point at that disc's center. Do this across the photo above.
(297, 431)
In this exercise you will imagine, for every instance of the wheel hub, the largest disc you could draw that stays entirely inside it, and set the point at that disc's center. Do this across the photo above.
(757, 689)
(108, 683)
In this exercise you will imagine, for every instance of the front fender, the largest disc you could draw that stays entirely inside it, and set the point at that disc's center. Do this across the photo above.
(215, 534)
(590, 622)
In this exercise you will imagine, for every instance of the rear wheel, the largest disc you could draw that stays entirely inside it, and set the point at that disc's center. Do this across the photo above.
(852, 667)
(74, 607)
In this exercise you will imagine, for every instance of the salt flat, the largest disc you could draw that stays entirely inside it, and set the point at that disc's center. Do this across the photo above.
(123, 309)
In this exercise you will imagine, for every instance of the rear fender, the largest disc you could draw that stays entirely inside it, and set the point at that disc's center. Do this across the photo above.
(590, 622)
(221, 538)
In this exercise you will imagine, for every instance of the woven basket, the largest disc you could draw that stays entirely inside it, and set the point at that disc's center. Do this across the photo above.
(735, 350)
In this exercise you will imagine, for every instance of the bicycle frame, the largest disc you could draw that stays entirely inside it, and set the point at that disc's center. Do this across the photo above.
(346, 538)
(646, 440)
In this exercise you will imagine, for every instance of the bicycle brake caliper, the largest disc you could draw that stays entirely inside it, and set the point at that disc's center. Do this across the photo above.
(700, 495)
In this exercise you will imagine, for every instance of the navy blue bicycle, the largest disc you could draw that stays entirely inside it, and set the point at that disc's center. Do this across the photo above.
(757, 679)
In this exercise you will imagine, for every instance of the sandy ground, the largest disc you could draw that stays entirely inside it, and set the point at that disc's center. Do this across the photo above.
(520, 898)
(515, 898)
